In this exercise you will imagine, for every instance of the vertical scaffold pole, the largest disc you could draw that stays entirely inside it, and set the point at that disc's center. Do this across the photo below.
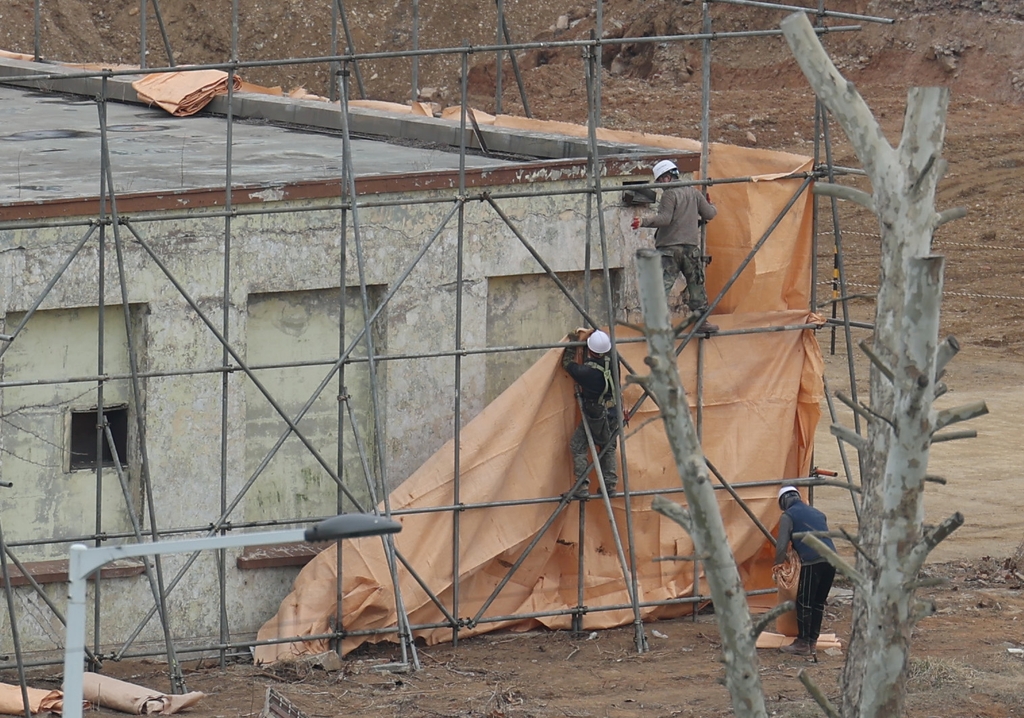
(415, 47)
(13, 619)
(159, 604)
(409, 655)
(143, 42)
(592, 68)
(344, 401)
(100, 346)
(225, 358)
(457, 436)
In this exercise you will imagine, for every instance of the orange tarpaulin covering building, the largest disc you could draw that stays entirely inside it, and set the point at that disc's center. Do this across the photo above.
(761, 403)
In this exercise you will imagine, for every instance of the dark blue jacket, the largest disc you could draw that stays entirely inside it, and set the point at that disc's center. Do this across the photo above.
(801, 517)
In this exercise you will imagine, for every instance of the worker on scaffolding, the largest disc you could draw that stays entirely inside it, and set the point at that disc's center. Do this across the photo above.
(594, 379)
(681, 211)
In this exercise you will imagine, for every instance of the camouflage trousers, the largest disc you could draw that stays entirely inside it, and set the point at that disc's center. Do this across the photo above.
(685, 259)
(603, 431)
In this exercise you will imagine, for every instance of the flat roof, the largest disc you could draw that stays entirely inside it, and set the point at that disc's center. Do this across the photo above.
(282, 149)
(50, 149)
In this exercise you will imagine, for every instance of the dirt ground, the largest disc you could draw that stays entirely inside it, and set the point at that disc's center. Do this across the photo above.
(960, 664)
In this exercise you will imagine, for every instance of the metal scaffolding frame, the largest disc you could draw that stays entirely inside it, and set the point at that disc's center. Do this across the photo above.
(109, 226)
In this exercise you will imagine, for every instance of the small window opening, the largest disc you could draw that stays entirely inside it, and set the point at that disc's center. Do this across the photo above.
(83, 438)
(638, 197)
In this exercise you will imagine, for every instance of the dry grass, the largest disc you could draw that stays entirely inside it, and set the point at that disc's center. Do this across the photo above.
(940, 673)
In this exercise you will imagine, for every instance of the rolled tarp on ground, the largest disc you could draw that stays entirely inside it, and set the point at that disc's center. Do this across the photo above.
(761, 396)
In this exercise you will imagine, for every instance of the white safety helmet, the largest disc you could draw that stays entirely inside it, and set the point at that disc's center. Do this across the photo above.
(664, 166)
(787, 490)
(599, 343)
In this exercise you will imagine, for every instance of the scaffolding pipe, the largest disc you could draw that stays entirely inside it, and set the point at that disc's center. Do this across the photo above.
(593, 84)
(143, 42)
(343, 402)
(100, 346)
(399, 54)
(410, 202)
(350, 46)
(36, 53)
(409, 653)
(207, 529)
(225, 358)
(627, 580)
(499, 56)
(177, 680)
(163, 33)
(459, 269)
(13, 619)
(415, 46)
(389, 357)
(515, 70)
(820, 12)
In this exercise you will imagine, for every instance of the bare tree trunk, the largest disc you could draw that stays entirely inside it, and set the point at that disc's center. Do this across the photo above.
(906, 357)
(702, 520)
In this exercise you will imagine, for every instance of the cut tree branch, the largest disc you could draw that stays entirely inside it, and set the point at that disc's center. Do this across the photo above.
(820, 698)
(835, 559)
(866, 412)
(964, 412)
(851, 194)
(678, 513)
(932, 539)
(948, 215)
(876, 360)
(954, 435)
(763, 620)
(945, 352)
(850, 436)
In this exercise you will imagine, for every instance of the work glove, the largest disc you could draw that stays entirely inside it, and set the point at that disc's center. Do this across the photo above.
(635, 224)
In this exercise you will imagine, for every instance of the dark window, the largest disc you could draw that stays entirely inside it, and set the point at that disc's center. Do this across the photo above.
(83, 438)
(634, 197)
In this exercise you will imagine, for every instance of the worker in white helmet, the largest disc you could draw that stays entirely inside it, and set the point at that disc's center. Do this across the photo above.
(597, 387)
(816, 573)
(680, 212)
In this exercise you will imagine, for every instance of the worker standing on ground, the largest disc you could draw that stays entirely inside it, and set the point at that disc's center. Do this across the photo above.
(597, 388)
(680, 212)
(816, 574)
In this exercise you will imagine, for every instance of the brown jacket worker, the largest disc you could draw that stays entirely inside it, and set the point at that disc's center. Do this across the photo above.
(680, 212)
(597, 386)
(816, 574)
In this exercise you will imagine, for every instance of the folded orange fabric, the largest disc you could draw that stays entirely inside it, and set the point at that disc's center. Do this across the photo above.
(183, 93)
(39, 700)
(126, 697)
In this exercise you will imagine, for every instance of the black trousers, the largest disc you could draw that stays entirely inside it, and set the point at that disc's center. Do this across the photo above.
(811, 593)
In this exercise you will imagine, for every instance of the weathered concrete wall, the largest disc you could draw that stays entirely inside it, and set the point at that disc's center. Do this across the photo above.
(284, 308)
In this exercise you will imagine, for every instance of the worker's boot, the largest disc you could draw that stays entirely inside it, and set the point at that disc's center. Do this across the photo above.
(799, 647)
(705, 327)
(582, 491)
(610, 488)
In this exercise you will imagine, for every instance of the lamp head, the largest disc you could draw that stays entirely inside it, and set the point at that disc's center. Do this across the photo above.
(345, 526)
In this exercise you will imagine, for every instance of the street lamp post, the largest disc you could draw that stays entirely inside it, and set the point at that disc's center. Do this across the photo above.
(86, 560)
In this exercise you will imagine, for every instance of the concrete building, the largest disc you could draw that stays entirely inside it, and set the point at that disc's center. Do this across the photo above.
(223, 335)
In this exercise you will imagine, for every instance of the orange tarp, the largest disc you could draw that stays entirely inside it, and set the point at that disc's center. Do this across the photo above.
(183, 93)
(39, 700)
(107, 692)
(761, 398)
(761, 403)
